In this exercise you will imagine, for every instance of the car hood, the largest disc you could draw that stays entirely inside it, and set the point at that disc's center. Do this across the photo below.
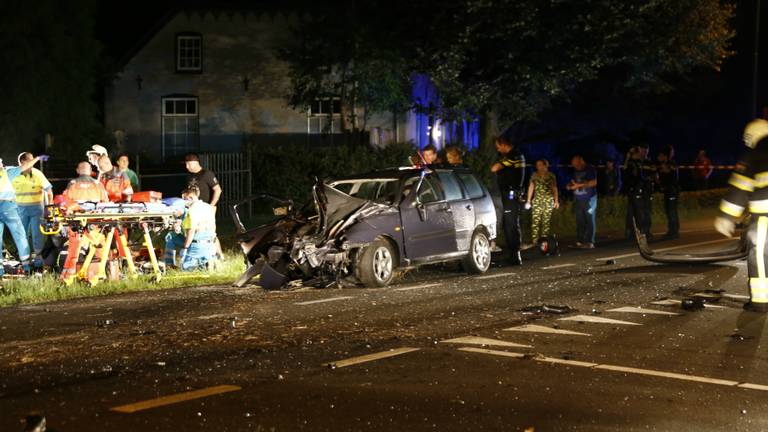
(334, 206)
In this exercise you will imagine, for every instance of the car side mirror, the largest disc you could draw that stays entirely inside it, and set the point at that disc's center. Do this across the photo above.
(421, 209)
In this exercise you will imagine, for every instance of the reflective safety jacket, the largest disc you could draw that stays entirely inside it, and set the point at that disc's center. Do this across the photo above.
(511, 176)
(31, 188)
(118, 186)
(748, 188)
(200, 216)
(7, 174)
(85, 189)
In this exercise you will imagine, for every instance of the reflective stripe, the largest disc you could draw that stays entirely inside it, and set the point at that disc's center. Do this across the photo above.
(758, 290)
(757, 206)
(731, 209)
(761, 180)
(742, 182)
(31, 187)
(762, 228)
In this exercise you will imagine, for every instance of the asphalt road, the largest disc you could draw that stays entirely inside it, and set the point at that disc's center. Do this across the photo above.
(464, 354)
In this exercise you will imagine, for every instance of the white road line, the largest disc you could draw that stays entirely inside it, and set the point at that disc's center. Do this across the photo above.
(558, 266)
(417, 287)
(670, 302)
(623, 369)
(736, 296)
(370, 357)
(475, 340)
(493, 352)
(596, 319)
(492, 276)
(533, 328)
(666, 249)
(323, 300)
(639, 310)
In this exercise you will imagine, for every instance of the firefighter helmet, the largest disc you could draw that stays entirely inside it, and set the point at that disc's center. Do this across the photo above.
(755, 131)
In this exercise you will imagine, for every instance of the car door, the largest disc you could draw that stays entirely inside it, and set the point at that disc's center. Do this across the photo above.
(428, 228)
(461, 208)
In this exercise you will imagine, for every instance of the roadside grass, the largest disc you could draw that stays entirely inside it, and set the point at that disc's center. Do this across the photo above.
(50, 288)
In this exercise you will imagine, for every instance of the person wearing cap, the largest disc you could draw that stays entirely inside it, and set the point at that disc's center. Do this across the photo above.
(748, 190)
(9, 212)
(117, 185)
(33, 192)
(95, 153)
(199, 227)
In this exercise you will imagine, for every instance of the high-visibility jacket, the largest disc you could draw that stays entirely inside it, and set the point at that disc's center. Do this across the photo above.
(7, 174)
(200, 216)
(748, 185)
(118, 186)
(31, 188)
(85, 188)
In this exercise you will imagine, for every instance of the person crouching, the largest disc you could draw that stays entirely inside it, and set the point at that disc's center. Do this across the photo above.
(199, 227)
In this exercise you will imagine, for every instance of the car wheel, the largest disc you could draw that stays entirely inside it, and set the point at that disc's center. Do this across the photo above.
(376, 267)
(479, 258)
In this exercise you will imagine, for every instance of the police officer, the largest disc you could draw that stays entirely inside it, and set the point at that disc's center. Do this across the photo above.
(638, 180)
(749, 190)
(33, 192)
(9, 213)
(669, 183)
(510, 173)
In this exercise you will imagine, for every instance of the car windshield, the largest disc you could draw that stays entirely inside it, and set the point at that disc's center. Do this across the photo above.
(380, 190)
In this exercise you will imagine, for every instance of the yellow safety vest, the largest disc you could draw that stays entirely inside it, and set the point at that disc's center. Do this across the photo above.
(30, 187)
(6, 188)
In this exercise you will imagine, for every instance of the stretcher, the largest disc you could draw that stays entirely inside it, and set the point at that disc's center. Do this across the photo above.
(103, 227)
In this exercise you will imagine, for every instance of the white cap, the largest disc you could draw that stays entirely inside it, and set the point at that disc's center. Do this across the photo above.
(97, 149)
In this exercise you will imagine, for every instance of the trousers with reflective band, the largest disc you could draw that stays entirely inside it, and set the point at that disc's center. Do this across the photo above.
(757, 259)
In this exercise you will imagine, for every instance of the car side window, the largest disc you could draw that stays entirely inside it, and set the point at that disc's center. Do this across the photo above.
(430, 190)
(451, 186)
(472, 185)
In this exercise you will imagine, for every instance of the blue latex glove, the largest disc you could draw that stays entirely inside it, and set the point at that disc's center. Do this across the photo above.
(183, 254)
(43, 158)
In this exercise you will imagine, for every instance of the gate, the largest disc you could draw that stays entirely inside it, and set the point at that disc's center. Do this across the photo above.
(233, 170)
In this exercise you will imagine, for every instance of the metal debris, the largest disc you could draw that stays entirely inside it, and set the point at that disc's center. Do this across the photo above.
(105, 323)
(692, 303)
(551, 309)
(610, 262)
(35, 423)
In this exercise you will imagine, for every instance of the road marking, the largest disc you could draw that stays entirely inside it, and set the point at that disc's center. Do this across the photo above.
(670, 302)
(175, 398)
(493, 352)
(475, 340)
(323, 300)
(666, 249)
(596, 319)
(494, 276)
(623, 369)
(370, 357)
(672, 375)
(417, 287)
(533, 328)
(632, 309)
(557, 266)
(736, 296)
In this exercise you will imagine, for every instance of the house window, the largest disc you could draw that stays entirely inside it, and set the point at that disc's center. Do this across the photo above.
(324, 116)
(189, 52)
(181, 126)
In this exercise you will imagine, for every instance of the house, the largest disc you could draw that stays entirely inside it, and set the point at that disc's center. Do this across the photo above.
(211, 81)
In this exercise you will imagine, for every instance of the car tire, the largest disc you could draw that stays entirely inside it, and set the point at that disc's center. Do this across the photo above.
(478, 260)
(376, 266)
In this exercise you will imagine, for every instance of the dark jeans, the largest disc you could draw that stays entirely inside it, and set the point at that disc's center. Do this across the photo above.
(511, 225)
(639, 209)
(584, 210)
(670, 209)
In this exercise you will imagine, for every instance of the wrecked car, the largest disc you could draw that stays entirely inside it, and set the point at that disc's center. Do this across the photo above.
(366, 228)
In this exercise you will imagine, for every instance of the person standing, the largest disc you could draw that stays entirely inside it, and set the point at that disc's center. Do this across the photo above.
(611, 181)
(669, 183)
(205, 180)
(584, 186)
(33, 192)
(453, 156)
(638, 185)
(9, 211)
(747, 191)
(702, 171)
(118, 186)
(123, 161)
(510, 173)
(542, 199)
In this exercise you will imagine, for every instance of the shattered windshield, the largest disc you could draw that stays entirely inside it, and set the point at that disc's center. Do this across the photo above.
(382, 190)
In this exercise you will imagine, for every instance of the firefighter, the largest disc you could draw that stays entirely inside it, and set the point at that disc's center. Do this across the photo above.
(748, 190)
(117, 185)
(81, 189)
(510, 173)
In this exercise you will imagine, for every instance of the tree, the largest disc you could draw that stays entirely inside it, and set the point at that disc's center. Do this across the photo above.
(513, 58)
(48, 57)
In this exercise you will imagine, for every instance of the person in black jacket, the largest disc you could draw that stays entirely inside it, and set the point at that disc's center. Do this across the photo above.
(510, 173)
(639, 175)
(669, 183)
